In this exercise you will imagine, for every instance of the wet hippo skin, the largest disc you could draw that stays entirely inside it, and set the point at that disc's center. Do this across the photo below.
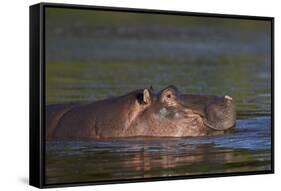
(142, 113)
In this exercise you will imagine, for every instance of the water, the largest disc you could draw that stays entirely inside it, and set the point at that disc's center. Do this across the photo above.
(245, 149)
(91, 57)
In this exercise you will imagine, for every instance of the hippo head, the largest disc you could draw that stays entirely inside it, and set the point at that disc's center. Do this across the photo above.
(163, 114)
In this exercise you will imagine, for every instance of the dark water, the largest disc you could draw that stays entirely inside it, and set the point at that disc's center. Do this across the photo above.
(91, 57)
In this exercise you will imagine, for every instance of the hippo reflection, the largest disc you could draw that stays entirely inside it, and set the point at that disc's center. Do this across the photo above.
(142, 113)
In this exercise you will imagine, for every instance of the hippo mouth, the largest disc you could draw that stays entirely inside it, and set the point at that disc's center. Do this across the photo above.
(217, 126)
(213, 127)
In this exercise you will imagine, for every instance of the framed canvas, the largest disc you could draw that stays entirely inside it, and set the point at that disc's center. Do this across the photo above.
(126, 95)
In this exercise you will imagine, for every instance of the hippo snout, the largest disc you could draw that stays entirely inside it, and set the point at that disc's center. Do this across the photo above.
(221, 114)
(218, 112)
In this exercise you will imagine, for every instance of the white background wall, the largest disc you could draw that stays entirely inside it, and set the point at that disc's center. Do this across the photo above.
(14, 88)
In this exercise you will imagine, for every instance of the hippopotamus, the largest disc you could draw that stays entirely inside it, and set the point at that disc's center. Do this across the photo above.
(142, 112)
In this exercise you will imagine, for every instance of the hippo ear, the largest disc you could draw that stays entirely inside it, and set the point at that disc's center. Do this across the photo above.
(169, 95)
(146, 96)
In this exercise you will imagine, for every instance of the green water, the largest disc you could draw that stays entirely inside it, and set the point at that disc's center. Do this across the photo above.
(92, 56)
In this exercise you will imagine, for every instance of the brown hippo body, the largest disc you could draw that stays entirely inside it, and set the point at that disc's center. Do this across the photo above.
(140, 113)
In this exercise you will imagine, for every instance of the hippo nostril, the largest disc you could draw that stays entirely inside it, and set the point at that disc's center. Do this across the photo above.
(228, 97)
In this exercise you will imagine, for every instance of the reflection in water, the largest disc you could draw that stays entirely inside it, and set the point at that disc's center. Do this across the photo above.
(88, 160)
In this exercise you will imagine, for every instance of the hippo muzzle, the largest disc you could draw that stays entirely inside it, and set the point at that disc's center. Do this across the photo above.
(218, 112)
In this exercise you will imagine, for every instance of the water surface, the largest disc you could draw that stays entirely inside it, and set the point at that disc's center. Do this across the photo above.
(245, 149)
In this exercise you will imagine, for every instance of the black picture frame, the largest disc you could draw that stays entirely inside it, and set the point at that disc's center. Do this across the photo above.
(37, 93)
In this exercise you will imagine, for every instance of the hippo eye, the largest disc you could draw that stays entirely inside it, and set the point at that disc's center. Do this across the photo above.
(169, 96)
